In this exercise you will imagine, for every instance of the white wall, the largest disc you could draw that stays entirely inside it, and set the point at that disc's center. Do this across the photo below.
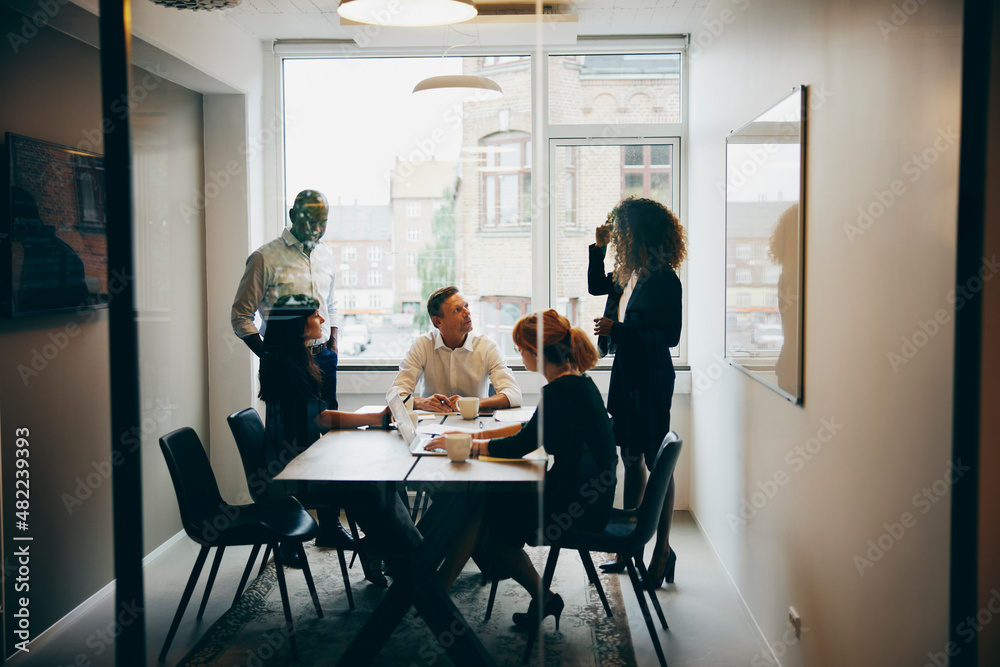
(877, 99)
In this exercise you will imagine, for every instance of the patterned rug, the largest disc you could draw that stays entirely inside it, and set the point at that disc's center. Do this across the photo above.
(251, 633)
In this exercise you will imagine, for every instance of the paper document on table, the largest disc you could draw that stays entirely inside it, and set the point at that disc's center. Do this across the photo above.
(537, 455)
(438, 429)
(516, 415)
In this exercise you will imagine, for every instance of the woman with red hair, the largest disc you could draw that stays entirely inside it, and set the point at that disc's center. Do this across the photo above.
(573, 425)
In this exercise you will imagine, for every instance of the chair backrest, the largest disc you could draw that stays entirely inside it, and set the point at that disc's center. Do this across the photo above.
(248, 431)
(198, 496)
(648, 512)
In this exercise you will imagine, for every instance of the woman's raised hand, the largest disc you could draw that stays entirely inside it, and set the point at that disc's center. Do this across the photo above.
(602, 235)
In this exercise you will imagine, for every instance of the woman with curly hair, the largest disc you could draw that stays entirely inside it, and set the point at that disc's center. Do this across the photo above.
(649, 246)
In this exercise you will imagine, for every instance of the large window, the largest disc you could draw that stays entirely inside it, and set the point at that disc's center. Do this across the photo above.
(469, 191)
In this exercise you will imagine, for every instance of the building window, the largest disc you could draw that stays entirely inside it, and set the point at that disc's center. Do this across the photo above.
(375, 277)
(412, 209)
(496, 61)
(348, 278)
(348, 253)
(646, 172)
(374, 253)
(411, 259)
(743, 299)
(412, 233)
(743, 276)
(744, 251)
(499, 315)
(374, 301)
(506, 180)
(413, 284)
(349, 301)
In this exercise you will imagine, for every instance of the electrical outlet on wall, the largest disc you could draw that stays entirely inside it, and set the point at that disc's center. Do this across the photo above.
(795, 621)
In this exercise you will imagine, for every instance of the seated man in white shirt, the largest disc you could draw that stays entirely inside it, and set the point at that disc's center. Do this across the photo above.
(451, 361)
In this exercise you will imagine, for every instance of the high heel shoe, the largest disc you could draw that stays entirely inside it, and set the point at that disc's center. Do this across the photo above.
(553, 607)
(613, 566)
(668, 573)
(372, 566)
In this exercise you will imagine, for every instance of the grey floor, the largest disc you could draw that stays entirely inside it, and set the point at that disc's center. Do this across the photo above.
(708, 627)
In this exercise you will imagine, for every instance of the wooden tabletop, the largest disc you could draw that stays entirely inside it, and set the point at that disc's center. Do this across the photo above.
(373, 455)
(353, 455)
(441, 469)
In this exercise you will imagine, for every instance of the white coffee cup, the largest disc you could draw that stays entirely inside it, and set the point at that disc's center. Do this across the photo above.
(415, 418)
(458, 445)
(469, 407)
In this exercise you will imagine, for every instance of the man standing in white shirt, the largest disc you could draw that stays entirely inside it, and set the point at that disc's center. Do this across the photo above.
(452, 361)
(294, 263)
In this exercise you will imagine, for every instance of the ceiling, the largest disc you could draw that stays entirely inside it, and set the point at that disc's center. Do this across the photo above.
(318, 19)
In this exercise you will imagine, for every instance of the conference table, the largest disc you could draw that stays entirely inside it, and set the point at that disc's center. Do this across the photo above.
(354, 460)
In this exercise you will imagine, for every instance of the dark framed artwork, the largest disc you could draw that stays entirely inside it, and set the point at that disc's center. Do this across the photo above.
(54, 233)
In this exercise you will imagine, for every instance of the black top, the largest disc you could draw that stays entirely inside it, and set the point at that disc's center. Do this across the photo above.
(643, 372)
(290, 425)
(577, 433)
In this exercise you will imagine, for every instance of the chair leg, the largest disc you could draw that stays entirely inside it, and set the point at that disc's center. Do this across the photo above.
(211, 581)
(347, 580)
(652, 593)
(307, 573)
(280, 570)
(199, 563)
(645, 611)
(357, 540)
(588, 565)
(493, 597)
(246, 572)
(550, 570)
(263, 563)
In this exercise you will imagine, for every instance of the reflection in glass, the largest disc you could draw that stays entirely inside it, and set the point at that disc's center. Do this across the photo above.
(764, 246)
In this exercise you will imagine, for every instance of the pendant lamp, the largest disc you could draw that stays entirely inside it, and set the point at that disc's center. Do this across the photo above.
(486, 89)
(407, 13)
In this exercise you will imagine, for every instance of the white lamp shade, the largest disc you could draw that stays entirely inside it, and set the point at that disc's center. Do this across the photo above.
(487, 89)
(407, 13)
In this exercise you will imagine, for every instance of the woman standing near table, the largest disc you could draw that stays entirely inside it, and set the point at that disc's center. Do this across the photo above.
(576, 431)
(649, 247)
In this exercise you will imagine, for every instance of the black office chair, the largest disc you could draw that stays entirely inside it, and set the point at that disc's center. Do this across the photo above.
(212, 522)
(626, 533)
(248, 431)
